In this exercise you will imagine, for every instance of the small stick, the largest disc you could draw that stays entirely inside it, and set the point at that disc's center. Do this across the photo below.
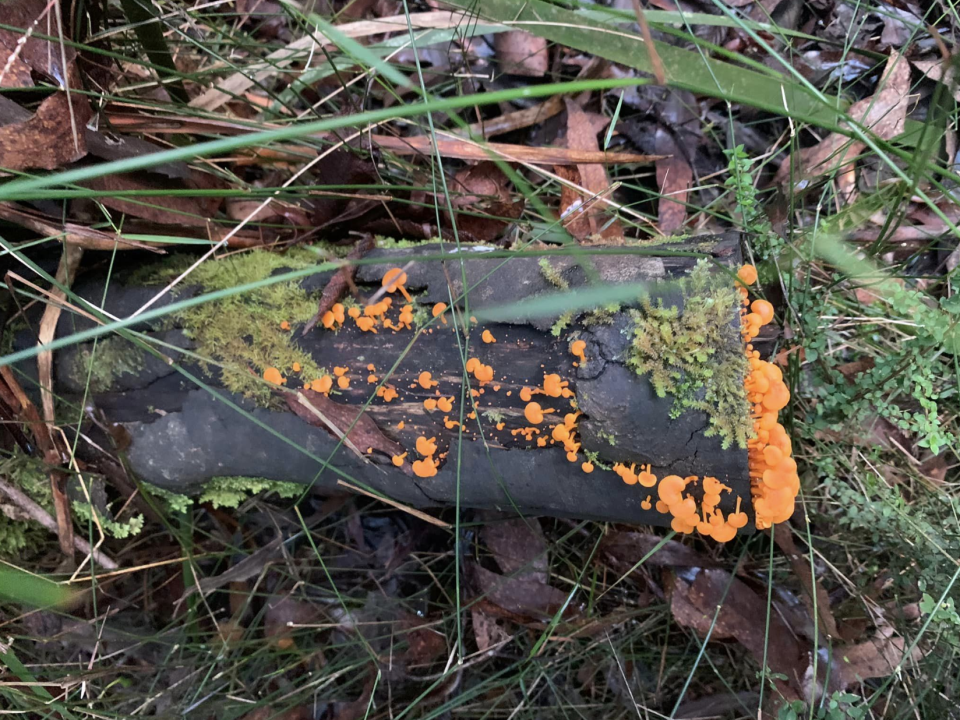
(41, 516)
(656, 64)
(399, 506)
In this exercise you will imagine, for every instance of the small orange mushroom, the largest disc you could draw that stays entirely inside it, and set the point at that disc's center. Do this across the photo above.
(284, 325)
(426, 381)
(272, 375)
(577, 348)
(587, 467)
(430, 404)
(425, 468)
(426, 447)
(445, 404)
(343, 382)
(340, 371)
(367, 324)
(488, 337)
(322, 385)
(394, 279)
(398, 459)
(534, 413)
(748, 274)
(296, 367)
(438, 311)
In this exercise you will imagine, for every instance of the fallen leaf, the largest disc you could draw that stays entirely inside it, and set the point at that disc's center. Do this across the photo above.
(483, 191)
(873, 659)
(518, 546)
(522, 53)
(162, 209)
(519, 595)
(364, 434)
(626, 549)
(883, 114)
(35, 18)
(699, 592)
(585, 215)
(941, 71)
(814, 592)
(674, 177)
(487, 633)
(280, 613)
(50, 138)
(424, 642)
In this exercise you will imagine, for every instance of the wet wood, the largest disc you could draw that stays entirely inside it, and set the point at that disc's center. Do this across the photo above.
(182, 435)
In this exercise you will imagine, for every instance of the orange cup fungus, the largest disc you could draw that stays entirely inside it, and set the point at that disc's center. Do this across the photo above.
(774, 483)
(272, 375)
(394, 279)
(577, 348)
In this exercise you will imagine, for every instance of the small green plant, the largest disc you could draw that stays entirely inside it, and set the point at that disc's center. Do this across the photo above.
(839, 706)
(752, 219)
(229, 492)
(694, 355)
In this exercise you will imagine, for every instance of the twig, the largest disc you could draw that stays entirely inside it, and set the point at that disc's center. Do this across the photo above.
(339, 283)
(399, 506)
(41, 516)
(656, 64)
(69, 262)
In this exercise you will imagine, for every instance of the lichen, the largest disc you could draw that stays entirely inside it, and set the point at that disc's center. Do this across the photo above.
(229, 492)
(114, 357)
(120, 529)
(242, 334)
(694, 355)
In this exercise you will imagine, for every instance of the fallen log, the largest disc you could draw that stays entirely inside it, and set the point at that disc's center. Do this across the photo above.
(195, 404)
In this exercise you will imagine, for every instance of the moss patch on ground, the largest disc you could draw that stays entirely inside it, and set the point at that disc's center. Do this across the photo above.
(242, 334)
(17, 532)
(115, 356)
(695, 355)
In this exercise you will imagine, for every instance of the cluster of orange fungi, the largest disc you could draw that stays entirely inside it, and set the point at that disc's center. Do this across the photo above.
(774, 483)
(773, 472)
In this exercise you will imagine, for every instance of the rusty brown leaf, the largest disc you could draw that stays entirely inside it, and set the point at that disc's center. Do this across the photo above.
(674, 177)
(872, 659)
(884, 114)
(699, 592)
(522, 53)
(585, 215)
(34, 18)
(814, 593)
(50, 138)
(364, 434)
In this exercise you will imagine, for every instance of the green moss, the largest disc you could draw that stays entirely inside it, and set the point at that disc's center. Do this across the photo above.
(83, 512)
(175, 502)
(601, 316)
(16, 531)
(242, 334)
(389, 243)
(114, 357)
(494, 416)
(695, 355)
(552, 275)
(231, 491)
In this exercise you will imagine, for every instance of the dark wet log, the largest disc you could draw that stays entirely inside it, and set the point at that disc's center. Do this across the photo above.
(182, 435)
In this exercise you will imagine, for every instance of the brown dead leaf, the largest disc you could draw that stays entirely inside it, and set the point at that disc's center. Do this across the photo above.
(34, 18)
(941, 71)
(584, 215)
(518, 545)
(521, 53)
(162, 209)
(365, 433)
(281, 613)
(626, 549)
(884, 114)
(488, 635)
(674, 177)
(51, 138)
(813, 591)
(698, 593)
(424, 642)
(520, 595)
(484, 189)
(873, 659)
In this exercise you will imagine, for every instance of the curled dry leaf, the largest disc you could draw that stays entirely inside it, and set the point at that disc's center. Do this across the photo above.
(487, 633)
(585, 216)
(883, 114)
(942, 71)
(674, 177)
(521, 53)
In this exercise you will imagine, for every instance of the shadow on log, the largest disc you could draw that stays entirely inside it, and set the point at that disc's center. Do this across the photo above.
(182, 434)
